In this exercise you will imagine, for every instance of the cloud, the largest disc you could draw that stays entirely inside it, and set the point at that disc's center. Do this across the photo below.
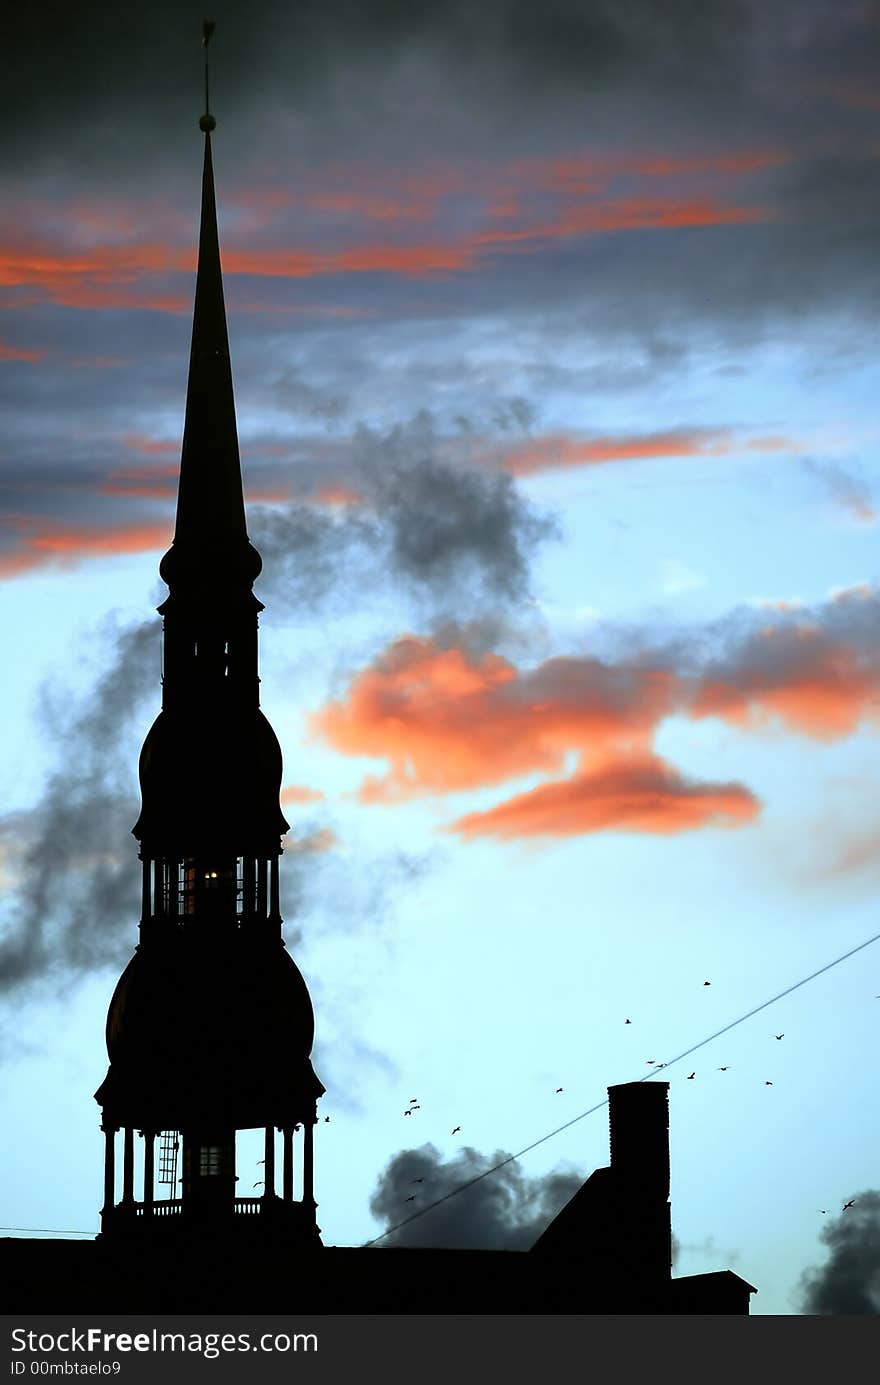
(642, 794)
(300, 793)
(321, 839)
(848, 491)
(505, 1211)
(444, 534)
(77, 885)
(816, 673)
(29, 355)
(447, 719)
(848, 1283)
(61, 545)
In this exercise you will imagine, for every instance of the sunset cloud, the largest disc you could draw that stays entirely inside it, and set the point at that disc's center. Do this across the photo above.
(61, 546)
(300, 793)
(798, 675)
(558, 451)
(19, 353)
(447, 720)
(313, 843)
(641, 794)
(411, 223)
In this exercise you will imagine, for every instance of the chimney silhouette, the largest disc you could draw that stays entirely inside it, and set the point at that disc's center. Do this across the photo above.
(639, 1120)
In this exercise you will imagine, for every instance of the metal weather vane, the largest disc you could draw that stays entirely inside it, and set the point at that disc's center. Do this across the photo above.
(207, 122)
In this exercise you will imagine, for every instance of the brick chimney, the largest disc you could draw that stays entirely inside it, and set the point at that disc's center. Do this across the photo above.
(639, 1118)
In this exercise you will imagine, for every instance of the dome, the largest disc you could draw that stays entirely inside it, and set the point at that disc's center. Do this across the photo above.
(226, 1028)
(206, 785)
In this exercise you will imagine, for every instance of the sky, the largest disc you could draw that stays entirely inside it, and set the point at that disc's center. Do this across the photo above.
(553, 331)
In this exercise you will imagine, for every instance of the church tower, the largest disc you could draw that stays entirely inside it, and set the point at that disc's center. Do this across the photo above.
(210, 1027)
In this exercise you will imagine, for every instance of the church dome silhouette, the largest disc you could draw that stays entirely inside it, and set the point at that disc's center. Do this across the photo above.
(241, 1018)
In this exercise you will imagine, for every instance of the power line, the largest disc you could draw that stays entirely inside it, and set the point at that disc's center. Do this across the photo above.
(725, 1029)
(645, 1078)
(47, 1231)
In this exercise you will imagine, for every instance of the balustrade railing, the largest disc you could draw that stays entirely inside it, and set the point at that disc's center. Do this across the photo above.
(165, 1208)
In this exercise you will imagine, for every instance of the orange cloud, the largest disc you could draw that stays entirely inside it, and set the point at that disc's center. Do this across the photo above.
(150, 447)
(799, 675)
(19, 353)
(66, 546)
(151, 483)
(324, 839)
(335, 496)
(299, 793)
(556, 450)
(513, 207)
(447, 720)
(641, 794)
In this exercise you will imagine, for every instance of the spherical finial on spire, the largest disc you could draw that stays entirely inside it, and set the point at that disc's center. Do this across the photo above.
(207, 123)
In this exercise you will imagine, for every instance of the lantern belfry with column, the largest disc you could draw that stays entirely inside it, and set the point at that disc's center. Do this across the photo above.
(210, 1028)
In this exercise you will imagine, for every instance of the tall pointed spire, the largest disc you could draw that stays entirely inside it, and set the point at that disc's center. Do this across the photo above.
(210, 1027)
(210, 536)
(210, 502)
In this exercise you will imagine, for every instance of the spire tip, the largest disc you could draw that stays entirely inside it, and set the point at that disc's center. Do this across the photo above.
(207, 123)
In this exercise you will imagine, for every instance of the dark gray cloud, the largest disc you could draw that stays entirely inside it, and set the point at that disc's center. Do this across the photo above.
(848, 1283)
(505, 1211)
(77, 901)
(450, 537)
(107, 100)
(130, 78)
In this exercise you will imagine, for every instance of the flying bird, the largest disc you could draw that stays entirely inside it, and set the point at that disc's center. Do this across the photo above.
(407, 1112)
(780, 1036)
(326, 1120)
(415, 1108)
(258, 1184)
(691, 1076)
(413, 1100)
(627, 1021)
(851, 1203)
(456, 1130)
(768, 1084)
(724, 1069)
(558, 1090)
(261, 1161)
(411, 1198)
(707, 983)
(418, 1180)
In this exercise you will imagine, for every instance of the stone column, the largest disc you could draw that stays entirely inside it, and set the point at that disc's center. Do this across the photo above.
(308, 1164)
(149, 1152)
(109, 1171)
(274, 894)
(262, 890)
(269, 1186)
(128, 1166)
(145, 893)
(249, 874)
(287, 1174)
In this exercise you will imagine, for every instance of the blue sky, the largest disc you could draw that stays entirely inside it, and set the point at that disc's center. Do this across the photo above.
(556, 391)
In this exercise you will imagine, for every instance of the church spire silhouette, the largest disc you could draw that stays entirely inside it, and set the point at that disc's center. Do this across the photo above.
(210, 1027)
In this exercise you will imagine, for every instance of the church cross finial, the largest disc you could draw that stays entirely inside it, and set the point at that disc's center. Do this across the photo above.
(207, 122)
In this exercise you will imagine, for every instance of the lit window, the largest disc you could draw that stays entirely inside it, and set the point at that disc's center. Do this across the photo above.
(211, 1160)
